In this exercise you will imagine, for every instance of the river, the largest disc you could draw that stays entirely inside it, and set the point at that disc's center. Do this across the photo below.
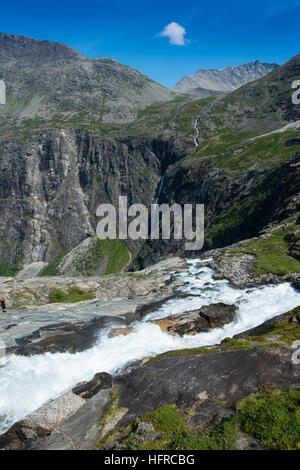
(28, 382)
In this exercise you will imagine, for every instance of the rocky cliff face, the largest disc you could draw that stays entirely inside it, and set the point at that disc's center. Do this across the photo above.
(52, 184)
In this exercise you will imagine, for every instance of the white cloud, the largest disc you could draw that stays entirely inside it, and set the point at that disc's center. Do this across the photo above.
(175, 32)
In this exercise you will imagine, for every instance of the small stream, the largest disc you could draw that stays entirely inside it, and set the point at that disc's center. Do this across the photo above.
(28, 382)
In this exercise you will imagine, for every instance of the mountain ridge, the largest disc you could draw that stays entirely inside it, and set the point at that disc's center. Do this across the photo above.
(223, 80)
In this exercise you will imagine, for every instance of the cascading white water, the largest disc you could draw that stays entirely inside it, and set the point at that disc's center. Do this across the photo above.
(196, 131)
(28, 382)
(160, 188)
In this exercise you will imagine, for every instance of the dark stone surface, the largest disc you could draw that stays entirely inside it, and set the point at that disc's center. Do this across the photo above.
(87, 390)
(62, 337)
(218, 314)
(18, 436)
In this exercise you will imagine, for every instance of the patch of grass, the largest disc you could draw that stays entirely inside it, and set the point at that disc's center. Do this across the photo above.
(112, 408)
(9, 269)
(52, 268)
(257, 339)
(235, 151)
(165, 419)
(119, 255)
(135, 276)
(287, 332)
(222, 437)
(72, 296)
(273, 417)
(272, 254)
(174, 434)
(112, 252)
(233, 344)
(183, 352)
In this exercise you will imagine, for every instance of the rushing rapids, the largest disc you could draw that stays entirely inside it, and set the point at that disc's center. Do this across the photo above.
(28, 382)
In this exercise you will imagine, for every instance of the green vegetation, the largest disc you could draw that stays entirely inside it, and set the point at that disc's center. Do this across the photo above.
(112, 408)
(165, 419)
(52, 268)
(174, 434)
(271, 253)
(189, 112)
(286, 331)
(118, 255)
(31, 292)
(112, 255)
(273, 417)
(135, 276)
(9, 269)
(243, 217)
(72, 296)
(183, 352)
(159, 118)
(111, 412)
(235, 151)
(235, 344)
(25, 297)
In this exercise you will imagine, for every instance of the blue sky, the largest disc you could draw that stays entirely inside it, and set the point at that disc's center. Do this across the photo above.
(218, 33)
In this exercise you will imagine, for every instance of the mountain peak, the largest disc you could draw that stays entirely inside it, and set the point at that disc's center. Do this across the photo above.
(19, 47)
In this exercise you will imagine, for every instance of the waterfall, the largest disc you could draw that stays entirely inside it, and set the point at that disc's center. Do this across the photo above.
(196, 132)
(160, 188)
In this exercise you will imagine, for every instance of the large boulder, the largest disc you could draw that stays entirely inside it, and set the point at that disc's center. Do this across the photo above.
(219, 314)
(195, 321)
